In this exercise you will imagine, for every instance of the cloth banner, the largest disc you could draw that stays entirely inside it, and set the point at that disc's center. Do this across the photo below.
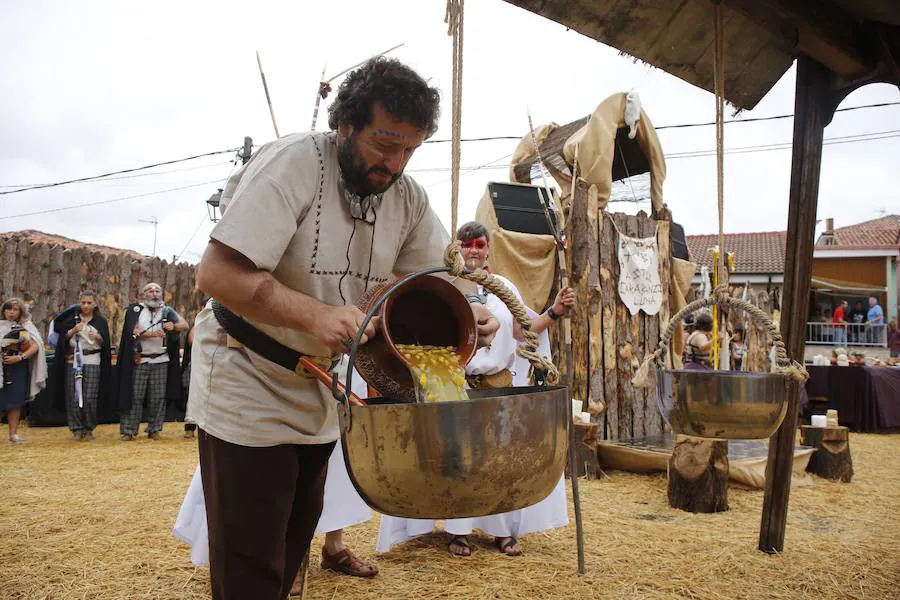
(639, 284)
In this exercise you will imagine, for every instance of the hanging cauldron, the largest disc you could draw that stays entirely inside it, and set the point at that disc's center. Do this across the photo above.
(501, 450)
(724, 404)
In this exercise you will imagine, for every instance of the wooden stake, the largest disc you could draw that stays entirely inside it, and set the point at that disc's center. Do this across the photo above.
(812, 112)
(268, 98)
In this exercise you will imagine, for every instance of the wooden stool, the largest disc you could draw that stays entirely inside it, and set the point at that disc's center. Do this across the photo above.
(585, 439)
(698, 475)
(831, 459)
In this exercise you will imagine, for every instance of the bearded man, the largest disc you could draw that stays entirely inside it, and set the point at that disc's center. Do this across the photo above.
(308, 225)
(148, 363)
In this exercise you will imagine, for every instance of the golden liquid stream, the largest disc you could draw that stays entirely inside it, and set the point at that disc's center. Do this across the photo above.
(436, 372)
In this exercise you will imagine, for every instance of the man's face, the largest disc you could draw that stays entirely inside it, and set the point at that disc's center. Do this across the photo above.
(872, 301)
(845, 305)
(152, 294)
(859, 306)
(475, 252)
(373, 159)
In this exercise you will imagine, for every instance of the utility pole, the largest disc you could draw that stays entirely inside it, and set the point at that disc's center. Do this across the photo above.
(155, 222)
(248, 148)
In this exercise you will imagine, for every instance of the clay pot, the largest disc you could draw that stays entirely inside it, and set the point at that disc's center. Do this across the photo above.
(427, 310)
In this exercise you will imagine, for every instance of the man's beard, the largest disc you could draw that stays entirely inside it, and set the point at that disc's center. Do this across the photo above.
(355, 173)
(153, 303)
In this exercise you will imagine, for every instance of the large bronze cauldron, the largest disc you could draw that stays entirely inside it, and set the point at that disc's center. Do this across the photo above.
(502, 450)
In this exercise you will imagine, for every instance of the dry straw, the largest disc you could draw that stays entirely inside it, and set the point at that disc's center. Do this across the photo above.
(93, 520)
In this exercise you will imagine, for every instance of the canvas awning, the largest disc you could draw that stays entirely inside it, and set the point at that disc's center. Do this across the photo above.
(824, 285)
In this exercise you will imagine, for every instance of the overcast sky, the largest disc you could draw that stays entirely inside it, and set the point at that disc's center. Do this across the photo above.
(92, 87)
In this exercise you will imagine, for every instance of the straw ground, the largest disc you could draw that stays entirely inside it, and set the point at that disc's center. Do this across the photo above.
(93, 520)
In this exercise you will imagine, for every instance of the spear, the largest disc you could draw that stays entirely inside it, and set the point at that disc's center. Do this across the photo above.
(325, 84)
(268, 98)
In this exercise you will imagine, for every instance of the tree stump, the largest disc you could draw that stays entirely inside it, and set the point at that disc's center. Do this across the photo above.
(698, 475)
(585, 438)
(832, 459)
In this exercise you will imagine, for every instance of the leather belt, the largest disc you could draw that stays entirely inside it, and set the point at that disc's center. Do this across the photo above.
(264, 344)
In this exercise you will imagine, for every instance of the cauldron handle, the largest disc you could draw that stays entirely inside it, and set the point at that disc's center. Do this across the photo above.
(340, 396)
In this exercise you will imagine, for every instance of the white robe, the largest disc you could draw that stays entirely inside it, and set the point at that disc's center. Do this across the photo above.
(342, 508)
(549, 513)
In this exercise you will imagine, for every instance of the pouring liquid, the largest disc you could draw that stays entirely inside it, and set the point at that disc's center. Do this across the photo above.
(436, 372)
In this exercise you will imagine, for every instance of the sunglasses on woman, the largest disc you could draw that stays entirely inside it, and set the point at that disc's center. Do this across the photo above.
(480, 244)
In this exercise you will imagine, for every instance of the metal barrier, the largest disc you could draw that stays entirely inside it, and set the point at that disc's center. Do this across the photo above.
(846, 334)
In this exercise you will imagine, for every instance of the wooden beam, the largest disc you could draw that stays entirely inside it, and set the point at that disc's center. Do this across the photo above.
(812, 109)
(820, 30)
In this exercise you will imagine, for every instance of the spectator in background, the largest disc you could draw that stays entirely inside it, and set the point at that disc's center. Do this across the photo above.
(857, 320)
(24, 367)
(840, 330)
(83, 333)
(893, 338)
(699, 343)
(738, 348)
(874, 322)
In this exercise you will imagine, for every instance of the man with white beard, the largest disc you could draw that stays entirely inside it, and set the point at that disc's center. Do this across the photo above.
(148, 363)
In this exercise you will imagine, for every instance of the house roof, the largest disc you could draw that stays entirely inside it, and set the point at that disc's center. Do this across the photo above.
(760, 252)
(33, 236)
(877, 233)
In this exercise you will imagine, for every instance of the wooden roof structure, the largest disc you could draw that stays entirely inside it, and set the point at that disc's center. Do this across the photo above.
(839, 45)
(859, 40)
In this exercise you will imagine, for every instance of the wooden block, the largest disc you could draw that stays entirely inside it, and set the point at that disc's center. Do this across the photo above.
(832, 459)
(586, 439)
(698, 475)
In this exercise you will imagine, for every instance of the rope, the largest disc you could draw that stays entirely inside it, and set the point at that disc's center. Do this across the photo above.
(784, 365)
(454, 19)
(527, 349)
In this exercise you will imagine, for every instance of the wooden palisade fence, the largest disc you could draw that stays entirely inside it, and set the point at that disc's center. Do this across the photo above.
(49, 276)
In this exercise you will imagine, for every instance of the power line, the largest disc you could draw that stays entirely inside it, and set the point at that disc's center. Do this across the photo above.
(144, 195)
(864, 137)
(104, 175)
(681, 125)
(479, 139)
(191, 239)
(136, 175)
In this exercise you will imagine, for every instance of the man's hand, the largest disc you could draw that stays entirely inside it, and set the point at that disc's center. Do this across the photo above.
(487, 324)
(168, 325)
(337, 326)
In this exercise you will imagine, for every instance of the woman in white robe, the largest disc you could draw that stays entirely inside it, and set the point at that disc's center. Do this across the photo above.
(506, 528)
(342, 508)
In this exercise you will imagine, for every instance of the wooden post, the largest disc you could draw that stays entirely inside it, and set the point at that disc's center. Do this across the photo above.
(831, 459)
(698, 475)
(812, 111)
(585, 438)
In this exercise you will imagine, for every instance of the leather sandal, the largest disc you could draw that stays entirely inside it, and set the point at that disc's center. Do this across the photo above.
(506, 547)
(347, 563)
(460, 541)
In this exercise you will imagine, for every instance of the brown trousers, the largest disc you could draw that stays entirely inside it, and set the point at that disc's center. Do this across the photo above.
(262, 507)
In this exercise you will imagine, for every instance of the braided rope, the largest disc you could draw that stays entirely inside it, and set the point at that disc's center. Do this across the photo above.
(784, 365)
(527, 349)
(454, 20)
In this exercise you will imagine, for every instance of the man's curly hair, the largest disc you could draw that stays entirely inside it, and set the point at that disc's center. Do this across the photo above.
(400, 90)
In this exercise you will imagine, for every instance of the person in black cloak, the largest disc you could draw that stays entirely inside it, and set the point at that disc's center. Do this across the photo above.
(148, 363)
(83, 340)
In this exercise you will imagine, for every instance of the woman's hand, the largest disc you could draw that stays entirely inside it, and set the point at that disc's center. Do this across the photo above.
(565, 299)
(12, 359)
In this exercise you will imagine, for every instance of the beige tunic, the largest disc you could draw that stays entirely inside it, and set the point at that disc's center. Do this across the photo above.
(286, 211)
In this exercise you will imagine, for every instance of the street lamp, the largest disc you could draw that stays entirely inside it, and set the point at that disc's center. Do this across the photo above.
(212, 205)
